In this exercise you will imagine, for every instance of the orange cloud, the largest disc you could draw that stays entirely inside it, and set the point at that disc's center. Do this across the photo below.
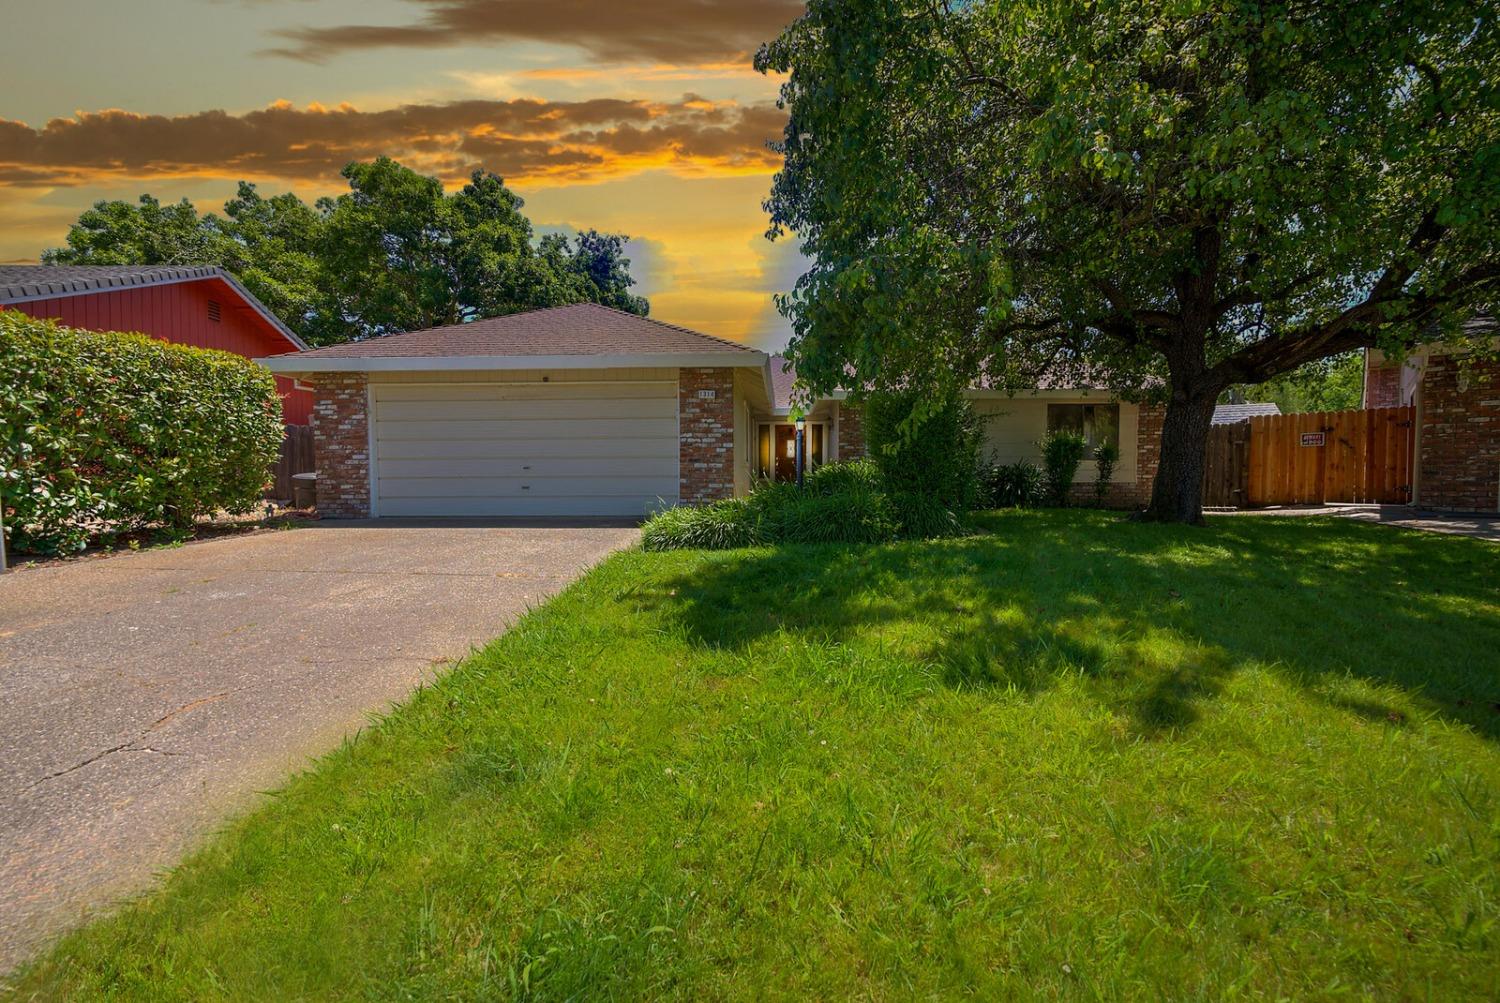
(521, 140)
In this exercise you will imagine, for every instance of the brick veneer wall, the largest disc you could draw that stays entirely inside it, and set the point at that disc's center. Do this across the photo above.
(1460, 435)
(851, 445)
(1382, 386)
(341, 438)
(705, 415)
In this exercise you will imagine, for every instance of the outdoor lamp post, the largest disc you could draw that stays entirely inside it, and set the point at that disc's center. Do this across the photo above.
(801, 448)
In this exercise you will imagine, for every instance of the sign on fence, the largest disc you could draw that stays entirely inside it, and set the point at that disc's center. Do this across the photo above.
(1312, 438)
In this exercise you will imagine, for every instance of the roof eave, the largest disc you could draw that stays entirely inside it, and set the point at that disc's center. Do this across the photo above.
(298, 363)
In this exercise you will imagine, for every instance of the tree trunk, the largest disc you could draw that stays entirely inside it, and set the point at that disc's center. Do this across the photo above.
(1177, 493)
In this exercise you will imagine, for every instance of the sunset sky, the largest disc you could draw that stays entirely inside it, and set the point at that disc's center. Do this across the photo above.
(635, 116)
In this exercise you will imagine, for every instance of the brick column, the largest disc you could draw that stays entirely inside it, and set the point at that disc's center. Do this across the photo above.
(1147, 451)
(705, 417)
(1460, 435)
(341, 438)
(851, 433)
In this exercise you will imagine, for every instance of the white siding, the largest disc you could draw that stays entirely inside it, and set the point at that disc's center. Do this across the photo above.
(524, 447)
(1014, 425)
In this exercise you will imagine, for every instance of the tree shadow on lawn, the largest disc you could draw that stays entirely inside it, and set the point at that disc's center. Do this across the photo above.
(1154, 618)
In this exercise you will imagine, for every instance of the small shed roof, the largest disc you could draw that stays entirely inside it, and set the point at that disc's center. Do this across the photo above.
(1229, 414)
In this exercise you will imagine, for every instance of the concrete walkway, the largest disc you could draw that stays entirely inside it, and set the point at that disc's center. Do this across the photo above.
(145, 698)
(1481, 527)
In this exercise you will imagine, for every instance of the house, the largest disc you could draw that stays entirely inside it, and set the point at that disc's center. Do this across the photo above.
(1456, 397)
(1232, 414)
(587, 411)
(202, 306)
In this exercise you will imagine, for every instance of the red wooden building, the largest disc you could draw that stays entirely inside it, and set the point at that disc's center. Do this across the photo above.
(191, 305)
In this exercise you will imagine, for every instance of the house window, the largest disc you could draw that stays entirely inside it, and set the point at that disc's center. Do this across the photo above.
(1097, 423)
(213, 311)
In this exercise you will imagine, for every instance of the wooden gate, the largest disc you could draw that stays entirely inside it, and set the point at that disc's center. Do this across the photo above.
(296, 458)
(1226, 467)
(1332, 456)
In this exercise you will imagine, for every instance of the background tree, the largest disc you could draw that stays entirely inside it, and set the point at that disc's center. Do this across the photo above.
(395, 253)
(1333, 384)
(1171, 197)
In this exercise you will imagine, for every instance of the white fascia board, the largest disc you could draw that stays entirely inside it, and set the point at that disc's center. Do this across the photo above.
(451, 363)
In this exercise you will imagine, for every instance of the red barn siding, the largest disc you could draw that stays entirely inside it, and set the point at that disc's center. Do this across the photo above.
(178, 312)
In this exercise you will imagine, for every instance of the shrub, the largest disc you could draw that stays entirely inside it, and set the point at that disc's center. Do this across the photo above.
(925, 445)
(922, 517)
(1011, 485)
(845, 475)
(855, 513)
(1061, 453)
(721, 526)
(1106, 455)
(841, 503)
(104, 433)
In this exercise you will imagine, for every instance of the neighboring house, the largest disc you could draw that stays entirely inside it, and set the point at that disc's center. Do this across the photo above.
(1457, 404)
(585, 410)
(201, 306)
(1233, 414)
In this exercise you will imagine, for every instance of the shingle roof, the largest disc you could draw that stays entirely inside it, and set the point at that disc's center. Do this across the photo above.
(578, 329)
(1229, 414)
(782, 378)
(20, 283)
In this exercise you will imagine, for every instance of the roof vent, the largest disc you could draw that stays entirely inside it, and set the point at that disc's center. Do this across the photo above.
(213, 311)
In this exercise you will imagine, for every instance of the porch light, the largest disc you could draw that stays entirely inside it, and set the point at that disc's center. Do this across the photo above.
(801, 424)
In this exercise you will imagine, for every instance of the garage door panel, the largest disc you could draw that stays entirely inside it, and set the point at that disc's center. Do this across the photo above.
(631, 507)
(530, 467)
(651, 428)
(530, 487)
(510, 410)
(484, 450)
(620, 390)
(478, 450)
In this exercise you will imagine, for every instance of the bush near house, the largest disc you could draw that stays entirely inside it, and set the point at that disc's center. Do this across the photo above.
(841, 503)
(1062, 452)
(1010, 485)
(103, 433)
(926, 445)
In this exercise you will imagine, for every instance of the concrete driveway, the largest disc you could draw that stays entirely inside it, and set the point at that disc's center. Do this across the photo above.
(145, 698)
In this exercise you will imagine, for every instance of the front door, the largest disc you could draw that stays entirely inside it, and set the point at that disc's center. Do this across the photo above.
(785, 448)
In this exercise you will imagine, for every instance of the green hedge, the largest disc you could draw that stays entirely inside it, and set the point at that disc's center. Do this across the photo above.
(105, 433)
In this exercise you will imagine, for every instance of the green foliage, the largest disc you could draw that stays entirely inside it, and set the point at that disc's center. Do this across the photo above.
(396, 253)
(1106, 455)
(724, 525)
(1335, 384)
(925, 443)
(112, 432)
(1062, 452)
(853, 513)
(923, 517)
(845, 475)
(840, 503)
(1168, 198)
(1011, 485)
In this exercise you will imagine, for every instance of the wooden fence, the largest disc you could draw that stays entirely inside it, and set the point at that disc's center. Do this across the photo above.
(296, 458)
(1226, 468)
(1332, 456)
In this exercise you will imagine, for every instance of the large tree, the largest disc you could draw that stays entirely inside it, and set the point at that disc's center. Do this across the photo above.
(1174, 197)
(395, 253)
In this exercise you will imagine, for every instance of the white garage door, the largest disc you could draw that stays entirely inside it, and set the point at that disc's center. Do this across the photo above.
(471, 449)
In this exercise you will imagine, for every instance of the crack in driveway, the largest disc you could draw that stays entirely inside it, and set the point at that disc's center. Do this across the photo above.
(132, 746)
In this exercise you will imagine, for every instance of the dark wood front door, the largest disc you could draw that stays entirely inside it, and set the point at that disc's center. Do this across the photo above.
(784, 445)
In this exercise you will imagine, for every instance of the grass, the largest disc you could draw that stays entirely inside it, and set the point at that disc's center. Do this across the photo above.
(1072, 757)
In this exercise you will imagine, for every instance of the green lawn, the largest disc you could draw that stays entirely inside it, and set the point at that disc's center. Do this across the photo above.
(1073, 757)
